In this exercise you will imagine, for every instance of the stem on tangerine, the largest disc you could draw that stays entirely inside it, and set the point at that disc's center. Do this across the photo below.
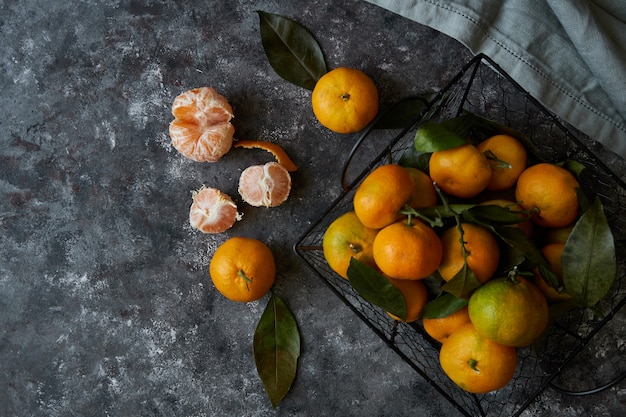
(245, 278)
(472, 364)
(345, 96)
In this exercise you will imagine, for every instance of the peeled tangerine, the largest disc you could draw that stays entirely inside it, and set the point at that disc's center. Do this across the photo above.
(265, 185)
(212, 211)
(201, 129)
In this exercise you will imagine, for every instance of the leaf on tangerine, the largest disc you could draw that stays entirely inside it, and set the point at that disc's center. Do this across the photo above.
(292, 50)
(375, 288)
(443, 306)
(589, 260)
(276, 348)
(432, 137)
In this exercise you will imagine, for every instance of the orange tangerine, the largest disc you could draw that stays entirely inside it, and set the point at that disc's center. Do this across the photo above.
(481, 247)
(507, 158)
(415, 297)
(549, 191)
(477, 364)
(462, 171)
(382, 194)
(441, 328)
(404, 251)
(243, 269)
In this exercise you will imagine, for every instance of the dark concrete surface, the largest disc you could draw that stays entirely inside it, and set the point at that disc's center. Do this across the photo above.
(106, 305)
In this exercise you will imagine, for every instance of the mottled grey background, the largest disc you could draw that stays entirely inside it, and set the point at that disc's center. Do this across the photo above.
(106, 306)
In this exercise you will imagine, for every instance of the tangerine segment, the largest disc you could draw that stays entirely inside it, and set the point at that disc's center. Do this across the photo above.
(265, 185)
(201, 129)
(278, 152)
(212, 211)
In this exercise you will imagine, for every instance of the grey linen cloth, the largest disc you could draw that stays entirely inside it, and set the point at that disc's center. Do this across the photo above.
(568, 54)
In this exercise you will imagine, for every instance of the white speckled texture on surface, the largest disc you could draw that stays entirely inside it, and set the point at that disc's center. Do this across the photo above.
(106, 305)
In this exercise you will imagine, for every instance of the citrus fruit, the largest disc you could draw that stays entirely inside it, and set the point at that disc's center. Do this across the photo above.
(424, 194)
(441, 328)
(415, 297)
(243, 269)
(382, 194)
(265, 185)
(509, 311)
(549, 191)
(404, 251)
(201, 129)
(553, 253)
(345, 100)
(558, 235)
(462, 171)
(525, 226)
(212, 211)
(482, 252)
(346, 238)
(507, 158)
(276, 150)
(476, 364)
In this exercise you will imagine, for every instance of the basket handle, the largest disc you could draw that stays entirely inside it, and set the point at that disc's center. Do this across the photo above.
(374, 125)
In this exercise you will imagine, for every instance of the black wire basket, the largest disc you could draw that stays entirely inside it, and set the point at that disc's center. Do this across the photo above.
(482, 88)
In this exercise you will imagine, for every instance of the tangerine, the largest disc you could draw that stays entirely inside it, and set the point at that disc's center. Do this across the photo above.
(266, 185)
(212, 211)
(346, 238)
(407, 251)
(243, 269)
(482, 252)
(475, 363)
(507, 158)
(382, 194)
(462, 171)
(509, 310)
(549, 192)
(415, 296)
(440, 328)
(553, 253)
(345, 100)
(201, 129)
(425, 194)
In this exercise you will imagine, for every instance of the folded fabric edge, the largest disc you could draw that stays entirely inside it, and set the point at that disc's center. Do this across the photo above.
(587, 119)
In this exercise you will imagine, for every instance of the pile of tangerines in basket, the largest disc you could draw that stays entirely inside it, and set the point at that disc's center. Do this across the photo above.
(453, 224)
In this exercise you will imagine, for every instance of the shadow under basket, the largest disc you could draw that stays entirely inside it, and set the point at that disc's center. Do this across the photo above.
(482, 88)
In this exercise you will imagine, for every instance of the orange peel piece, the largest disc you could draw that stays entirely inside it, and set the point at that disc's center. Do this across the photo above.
(276, 150)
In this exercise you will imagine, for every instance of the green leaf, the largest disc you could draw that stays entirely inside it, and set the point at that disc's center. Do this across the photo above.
(276, 348)
(376, 288)
(413, 158)
(492, 215)
(291, 50)
(514, 237)
(443, 306)
(589, 261)
(403, 113)
(463, 283)
(432, 137)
